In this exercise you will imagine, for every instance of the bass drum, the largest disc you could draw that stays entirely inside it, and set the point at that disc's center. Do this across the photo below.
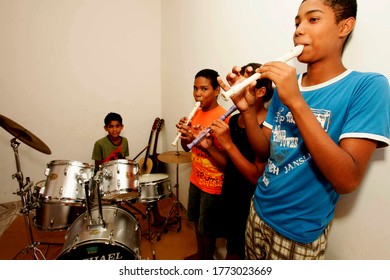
(88, 239)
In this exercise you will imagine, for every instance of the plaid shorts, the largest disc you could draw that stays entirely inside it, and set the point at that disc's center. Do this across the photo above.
(264, 243)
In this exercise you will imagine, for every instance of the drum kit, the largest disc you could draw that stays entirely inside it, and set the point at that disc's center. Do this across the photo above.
(87, 204)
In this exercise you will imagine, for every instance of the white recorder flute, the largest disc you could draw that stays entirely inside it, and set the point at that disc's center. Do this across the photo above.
(197, 105)
(295, 52)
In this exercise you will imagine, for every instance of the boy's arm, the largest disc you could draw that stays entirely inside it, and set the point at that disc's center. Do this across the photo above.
(343, 165)
(245, 101)
(250, 170)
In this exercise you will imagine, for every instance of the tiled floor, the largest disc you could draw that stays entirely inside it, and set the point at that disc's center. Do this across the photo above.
(8, 212)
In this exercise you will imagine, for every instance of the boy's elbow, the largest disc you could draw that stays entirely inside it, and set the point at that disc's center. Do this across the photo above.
(346, 187)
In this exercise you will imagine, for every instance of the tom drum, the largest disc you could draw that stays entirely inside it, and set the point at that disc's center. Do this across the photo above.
(154, 186)
(119, 180)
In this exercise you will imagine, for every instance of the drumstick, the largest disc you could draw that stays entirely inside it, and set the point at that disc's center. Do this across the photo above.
(222, 118)
(295, 52)
(197, 105)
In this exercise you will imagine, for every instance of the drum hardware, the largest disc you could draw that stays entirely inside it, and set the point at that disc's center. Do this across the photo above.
(154, 187)
(102, 232)
(24, 191)
(130, 204)
(97, 179)
(149, 234)
(177, 158)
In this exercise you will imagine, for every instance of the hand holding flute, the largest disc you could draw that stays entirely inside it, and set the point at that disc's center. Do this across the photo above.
(295, 52)
(190, 116)
(201, 136)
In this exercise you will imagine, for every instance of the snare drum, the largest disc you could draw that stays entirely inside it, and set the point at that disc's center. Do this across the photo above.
(119, 239)
(62, 183)
(154, 186)
(119, 180)
(53, 215)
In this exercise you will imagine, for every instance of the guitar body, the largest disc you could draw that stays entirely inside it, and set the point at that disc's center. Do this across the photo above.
(145, 167)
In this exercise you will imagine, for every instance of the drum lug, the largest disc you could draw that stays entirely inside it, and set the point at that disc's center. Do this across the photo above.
(118, 183)
(51, 223)
(66, 171)
(47, 172)
(135, 169)
(67, 234)
(107, 175)
(75, 241)
(111, 238)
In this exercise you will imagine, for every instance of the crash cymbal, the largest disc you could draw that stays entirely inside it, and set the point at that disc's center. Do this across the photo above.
(23, 135)
(175, 157)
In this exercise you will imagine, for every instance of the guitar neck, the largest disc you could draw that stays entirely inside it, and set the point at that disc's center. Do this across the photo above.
(159, 127)
(145, 161)
(154, 127)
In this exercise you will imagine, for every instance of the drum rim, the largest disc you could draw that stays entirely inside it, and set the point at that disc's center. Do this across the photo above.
(153, 175)
(70, 162)
(125, 161)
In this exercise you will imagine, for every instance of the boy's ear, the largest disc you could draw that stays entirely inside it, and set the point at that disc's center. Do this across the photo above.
(218, 91)
(261, 92)
(347, 26)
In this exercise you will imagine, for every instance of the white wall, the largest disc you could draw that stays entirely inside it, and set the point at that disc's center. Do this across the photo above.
(65, 64)
(219, 34)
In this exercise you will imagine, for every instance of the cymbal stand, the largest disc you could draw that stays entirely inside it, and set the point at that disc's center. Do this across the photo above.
(149, 234)
(176, 207)
(25, 195)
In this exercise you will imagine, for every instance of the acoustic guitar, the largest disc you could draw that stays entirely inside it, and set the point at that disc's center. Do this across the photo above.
(146, 163)
(158, 166)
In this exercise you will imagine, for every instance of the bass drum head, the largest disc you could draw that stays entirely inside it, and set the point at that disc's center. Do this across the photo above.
(98, 251)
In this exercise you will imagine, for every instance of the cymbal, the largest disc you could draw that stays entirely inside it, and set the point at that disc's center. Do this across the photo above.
(23, 135)
(175, 157)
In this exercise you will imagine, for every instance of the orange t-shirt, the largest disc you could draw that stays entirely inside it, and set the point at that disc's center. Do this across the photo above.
(204, 174)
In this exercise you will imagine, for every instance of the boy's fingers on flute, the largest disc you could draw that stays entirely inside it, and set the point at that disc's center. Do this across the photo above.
(236, 70)
(223, 86)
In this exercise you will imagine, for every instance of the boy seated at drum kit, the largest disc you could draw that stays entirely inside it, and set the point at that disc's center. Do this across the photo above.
(114, 147)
